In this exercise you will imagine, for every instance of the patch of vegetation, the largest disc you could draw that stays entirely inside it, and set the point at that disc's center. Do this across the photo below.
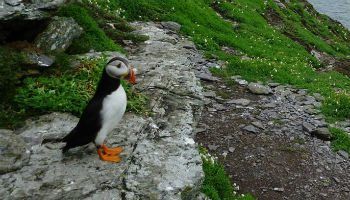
(217, 184)
(10, 70)
(70, 91)
(274, 56)
(109, 17)
(93, 36)
(10, 65)
(341, 140)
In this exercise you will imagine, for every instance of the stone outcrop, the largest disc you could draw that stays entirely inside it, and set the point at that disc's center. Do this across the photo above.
(27, 10)
(14, 155)
(160, 158)
(59, 34)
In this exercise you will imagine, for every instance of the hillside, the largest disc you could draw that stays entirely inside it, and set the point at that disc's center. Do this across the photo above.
(273, 73)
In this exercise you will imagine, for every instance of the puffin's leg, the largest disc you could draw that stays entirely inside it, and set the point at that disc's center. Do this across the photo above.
(112, 151)
(107, 157)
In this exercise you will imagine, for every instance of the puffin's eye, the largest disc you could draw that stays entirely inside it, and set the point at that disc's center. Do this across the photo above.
(119, 65)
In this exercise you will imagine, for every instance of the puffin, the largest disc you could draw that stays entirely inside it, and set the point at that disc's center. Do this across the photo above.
(104, 111)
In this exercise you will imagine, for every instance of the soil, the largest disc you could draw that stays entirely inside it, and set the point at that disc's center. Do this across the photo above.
(279, 160)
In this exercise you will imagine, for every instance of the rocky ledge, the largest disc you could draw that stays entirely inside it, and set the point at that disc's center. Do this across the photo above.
(160, 158)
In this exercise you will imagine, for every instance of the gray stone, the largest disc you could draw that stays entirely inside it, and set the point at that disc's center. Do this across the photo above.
(40, 60)
(231, 149)
(278, 189)
(270, 105)
(243, 102)
(318, 97)
(206, 77)
(274, 84)
(171, 26)
(219, 107)
(59, 35)
(27, 10)
(308, 127)
(13, 152)
(212, 147)
(344, 154)
(251, 129)
(242, 82)
(323, 134)
(47, 127)
(209, 94)
(257, 88)
(258, 124)
(280, 4)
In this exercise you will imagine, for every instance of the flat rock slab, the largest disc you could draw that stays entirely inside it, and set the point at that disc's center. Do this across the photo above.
(160, 158)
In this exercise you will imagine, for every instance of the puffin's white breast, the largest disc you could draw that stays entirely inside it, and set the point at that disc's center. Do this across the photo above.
(113, 109)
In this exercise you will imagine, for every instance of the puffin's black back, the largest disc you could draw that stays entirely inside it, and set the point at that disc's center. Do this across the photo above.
(90, 121)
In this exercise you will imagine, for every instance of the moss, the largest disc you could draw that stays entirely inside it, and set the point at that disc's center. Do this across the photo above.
(341, 140)
(10, 65)
(217, 184)
(93, 37)
(70, 91)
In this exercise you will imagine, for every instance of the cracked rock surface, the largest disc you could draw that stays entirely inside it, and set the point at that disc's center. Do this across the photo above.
(160, 158)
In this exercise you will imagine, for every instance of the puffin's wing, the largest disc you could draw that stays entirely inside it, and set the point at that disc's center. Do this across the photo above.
(87, 127)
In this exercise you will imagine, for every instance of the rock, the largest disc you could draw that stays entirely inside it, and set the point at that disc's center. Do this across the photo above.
(318, 97)
(274, 84)
(212, 147)
(270, 105)
(251, 129)
(242, 82)
(245, 57)
(231, 51)
(13, 153)
(280, 4)
(231, 149)
(258, 124)
(59, 35)
(257, 88)
(209, 94)
(308, 127)
(323, 134)
(171, 26)
(47, 127)
(343, 154)
(206, 77)
(219, 107)
(243, 102)
(278, 189)
(40, 60)
(28, 10)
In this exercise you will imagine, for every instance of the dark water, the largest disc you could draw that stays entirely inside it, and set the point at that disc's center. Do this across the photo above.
(336, 9)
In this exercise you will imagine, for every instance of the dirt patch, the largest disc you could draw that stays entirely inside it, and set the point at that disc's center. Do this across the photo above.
(276, 159)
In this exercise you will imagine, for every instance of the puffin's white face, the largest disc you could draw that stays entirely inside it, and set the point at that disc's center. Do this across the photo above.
(117, 69)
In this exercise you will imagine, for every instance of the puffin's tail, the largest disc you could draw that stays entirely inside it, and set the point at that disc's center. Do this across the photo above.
(66, 140)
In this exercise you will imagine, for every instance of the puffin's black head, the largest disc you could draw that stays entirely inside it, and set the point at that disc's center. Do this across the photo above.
(119, 68)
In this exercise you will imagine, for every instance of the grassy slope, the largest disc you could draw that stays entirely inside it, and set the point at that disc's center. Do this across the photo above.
(275, 57)
(61, 88)
(278, 53)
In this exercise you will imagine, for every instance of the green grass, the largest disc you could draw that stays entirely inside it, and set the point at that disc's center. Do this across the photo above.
(93, 37)
(70, 91)
(217, 184)
(275, 55)
(341, 140)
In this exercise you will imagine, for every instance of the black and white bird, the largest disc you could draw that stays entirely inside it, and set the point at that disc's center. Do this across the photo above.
(104, 111)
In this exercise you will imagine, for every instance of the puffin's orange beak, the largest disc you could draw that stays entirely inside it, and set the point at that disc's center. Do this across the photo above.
(132, 77)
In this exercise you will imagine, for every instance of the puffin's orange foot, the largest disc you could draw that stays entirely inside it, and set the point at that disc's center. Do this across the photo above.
(108, 157)
(112, 151)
